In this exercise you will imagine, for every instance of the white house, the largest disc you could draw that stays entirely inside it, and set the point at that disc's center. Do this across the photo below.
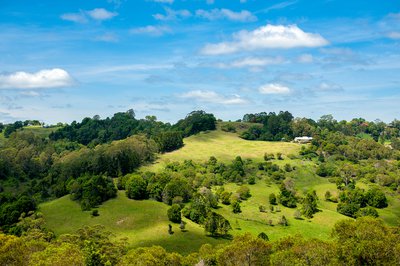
(303, 139)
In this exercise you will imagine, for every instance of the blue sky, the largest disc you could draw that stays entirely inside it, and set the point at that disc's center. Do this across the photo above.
(65, 60)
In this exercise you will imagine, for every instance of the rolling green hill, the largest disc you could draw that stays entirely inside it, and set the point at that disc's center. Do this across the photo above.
(145, 223)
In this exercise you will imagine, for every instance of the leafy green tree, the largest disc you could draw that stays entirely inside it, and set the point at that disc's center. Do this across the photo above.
(243, 192)
(272, 199)
(178, 186)
(245, 250)
(136, 188)
(236, 207)
(376, 198)
(263, 236)
(174, 213)
(216, 224)
(195, 122)
(310, 204)
(169, 140)
(286, 197)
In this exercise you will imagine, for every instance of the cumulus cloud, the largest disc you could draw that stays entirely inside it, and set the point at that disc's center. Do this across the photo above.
(98, 14)
(74, 17)
(171, 14)
(253, 62)
(266, 37)
(47, 78)
(215, 14)
(274, 88)
(213, 97)
(101, 14)
(151, 30)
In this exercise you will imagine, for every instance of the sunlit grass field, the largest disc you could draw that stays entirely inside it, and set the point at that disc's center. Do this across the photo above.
(145, 223)
(224, 146)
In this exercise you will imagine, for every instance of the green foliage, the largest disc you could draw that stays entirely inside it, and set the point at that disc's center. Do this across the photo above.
(178, 186)
(226, 197)
(243, 192)
(169, 140)
(216, 224)
(376, 198)
(272, 199)
(366, 241)
(12, 208)
(263, 236)
(136, 188)
(174, 213)
(368, 211)
(245, 250)
(310, 204)
(151, 256)
(275, 126)
(195, 122)
(92, 190)
(236, 207)
(287, 197)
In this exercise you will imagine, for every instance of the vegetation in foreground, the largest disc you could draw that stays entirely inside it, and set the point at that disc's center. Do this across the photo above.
(366, 241)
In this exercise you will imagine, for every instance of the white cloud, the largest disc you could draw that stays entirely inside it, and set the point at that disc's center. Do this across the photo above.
(215, 14)
(171, 14)
(266, 37)
(95, 14)
(213, 97)
(274, 88)
(394, 35)
(47, 78)
(253, 62)
(305, 58)
(74, 17)
(151, 30)
(101, 14)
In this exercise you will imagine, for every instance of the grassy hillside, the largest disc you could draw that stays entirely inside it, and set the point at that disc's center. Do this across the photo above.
(142, 223)
(224, 146)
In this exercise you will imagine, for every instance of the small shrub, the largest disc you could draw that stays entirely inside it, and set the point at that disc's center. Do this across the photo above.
(283, 221)
(272, 199)
(236, 207)
(263, 236)
(174, 213)
(95, 213)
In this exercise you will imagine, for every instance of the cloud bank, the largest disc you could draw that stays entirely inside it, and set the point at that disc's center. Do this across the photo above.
(46, 78)
(266, 37)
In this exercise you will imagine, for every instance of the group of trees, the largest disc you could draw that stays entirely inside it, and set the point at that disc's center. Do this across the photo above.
(81, 158)
(283, 126)
(94, 131)
(365, 241)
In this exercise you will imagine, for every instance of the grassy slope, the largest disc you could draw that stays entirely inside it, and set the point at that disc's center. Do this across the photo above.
(224, 146)
(145, 222)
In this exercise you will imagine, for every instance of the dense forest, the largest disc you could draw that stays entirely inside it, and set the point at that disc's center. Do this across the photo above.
(92, 159)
